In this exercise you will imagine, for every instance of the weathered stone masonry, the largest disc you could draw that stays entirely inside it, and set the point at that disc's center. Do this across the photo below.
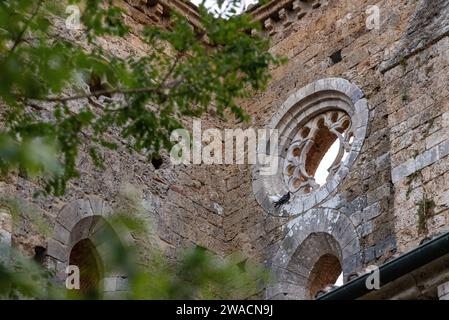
(395, 193)
(183, 203)
(391, 192)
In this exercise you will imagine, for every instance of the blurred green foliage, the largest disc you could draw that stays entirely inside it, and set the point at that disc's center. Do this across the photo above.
(186, 72)
(129, 248)
(50, 87)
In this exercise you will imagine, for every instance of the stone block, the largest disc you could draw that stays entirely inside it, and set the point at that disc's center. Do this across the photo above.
(96, 204)
(5, 238)
(61, 234)
(443, 149)
(352, 263)
(321, 195)
(385, 246)
(356, 218)
(340, 229)
(427, 158)
(69, 215)
(436, 138)
(57, 250)
(404, 170)
(358, 204)
(369, 254)
(122, 284)
(309, 202)
(365, 229)
(371, 211)
(383, 161)
(444, 297)
(352, 247)
(110, 284)
(379, 193)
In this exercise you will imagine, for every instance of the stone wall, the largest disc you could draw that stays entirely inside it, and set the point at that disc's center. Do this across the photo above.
(184, 203)
(395, 194)
(417, 95)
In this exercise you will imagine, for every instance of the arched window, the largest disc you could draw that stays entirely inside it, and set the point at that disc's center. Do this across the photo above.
(311, 259)
(83, 237)
(314, 267)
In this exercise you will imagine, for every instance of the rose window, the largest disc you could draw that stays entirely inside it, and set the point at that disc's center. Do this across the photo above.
(320, 130)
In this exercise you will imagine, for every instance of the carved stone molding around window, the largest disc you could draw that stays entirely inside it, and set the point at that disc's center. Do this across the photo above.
(308, 123)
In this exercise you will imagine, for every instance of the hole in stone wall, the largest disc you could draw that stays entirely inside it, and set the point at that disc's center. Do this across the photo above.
(96, 85)
(39, 254)
(305, 132)
(86, 258)
(297, 152)
(336, 57)
(324, 275)
(157, 162)
(290, 170)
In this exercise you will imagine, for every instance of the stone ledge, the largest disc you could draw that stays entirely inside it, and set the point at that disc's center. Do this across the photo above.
(420, 162)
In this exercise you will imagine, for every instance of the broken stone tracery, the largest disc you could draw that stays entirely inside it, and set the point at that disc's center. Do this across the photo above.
(309, 146)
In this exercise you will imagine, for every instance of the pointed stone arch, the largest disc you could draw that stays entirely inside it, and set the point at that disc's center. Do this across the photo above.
(310, 237)
(77, 222)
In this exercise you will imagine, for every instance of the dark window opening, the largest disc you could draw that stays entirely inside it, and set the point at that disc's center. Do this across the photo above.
(157, 162)
(96, 85)
(336, 57)
(39, 254)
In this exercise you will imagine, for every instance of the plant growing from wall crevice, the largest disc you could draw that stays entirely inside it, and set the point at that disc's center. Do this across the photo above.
(425, 210)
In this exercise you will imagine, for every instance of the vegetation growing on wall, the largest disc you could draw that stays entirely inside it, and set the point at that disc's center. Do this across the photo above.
(186, 72)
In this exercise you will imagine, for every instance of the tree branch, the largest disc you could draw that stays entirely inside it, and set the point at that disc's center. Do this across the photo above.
(21, 34)
(159, 89)
(178, 57)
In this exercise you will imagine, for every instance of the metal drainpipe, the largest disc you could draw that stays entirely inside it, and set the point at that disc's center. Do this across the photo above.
(393, 269)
